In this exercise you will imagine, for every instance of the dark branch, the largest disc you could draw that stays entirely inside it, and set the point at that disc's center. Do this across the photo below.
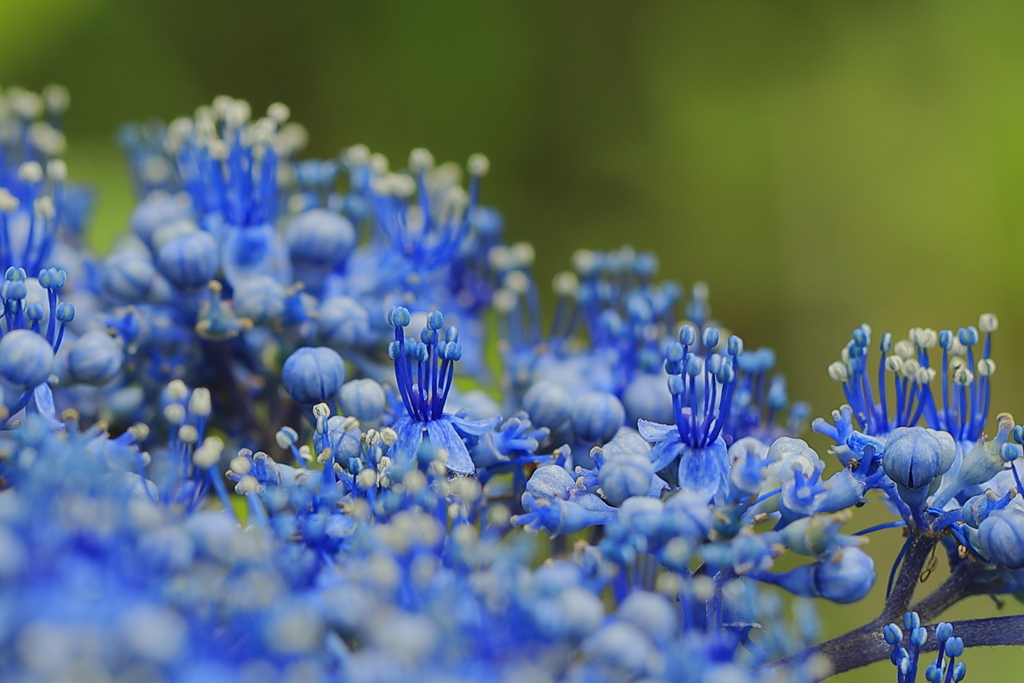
(974, 632)
(846, 651)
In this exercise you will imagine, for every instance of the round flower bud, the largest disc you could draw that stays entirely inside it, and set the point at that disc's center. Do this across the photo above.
(343, 321)
(624, 477)
(157, 209)
(25, 358)
(313, 374)
(914, 456)
(548, 404)
(320, 237)
(1001, 537)
(128, 277)
(648, 397)
(597, 415)
(95, 358)
(651, 613)
(846, 577)
(261, 299)
(190, 260)
(363, 399)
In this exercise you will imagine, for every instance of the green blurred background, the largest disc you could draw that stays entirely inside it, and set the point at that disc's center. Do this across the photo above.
(819, 164)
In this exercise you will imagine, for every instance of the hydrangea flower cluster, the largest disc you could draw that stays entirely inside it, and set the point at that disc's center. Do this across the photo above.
(309, 422)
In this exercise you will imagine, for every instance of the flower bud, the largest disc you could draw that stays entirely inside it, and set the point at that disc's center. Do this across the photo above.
(95, 358)
(313, 374)
(1001, 537)
(25, 358)
(914, 456)
(597, 416)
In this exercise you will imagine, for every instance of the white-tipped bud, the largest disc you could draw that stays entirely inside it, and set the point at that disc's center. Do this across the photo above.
(247, 484)
(44, 207)
(306, 453)
(199, 402)
(837, 371)
(279, 111)
(30, 172)
(893, 363)
(500, 258)
(321, 410)
(402, 185)
(57, 170)
(956, 363)
(218, 149)
(925, 375)
(26, 104)
(963, 377)
(988, 322)
(188, 434)
(927, 338)
(524, 254)
(349, 424)
(176, 390)
(910, 368)
(504, 301)
(291, 139)
(904, 349)
(956, 348)
(584, 261)
(389, 436)
(8, 202)
(56, 98)
(139, 431)
(283, 439)
(702, 291)
(456, 200)
(986, 367)
(47, 139)
(414, 481)
(208, 454)
(239, 465)
(378, 163)
(478, 165)
(366, 479)
(566, 284)
(421, 160)
(467, 489)
(174, 414)
(357, 155)
(517, 281)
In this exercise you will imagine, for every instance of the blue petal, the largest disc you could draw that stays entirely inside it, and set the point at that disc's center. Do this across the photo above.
(703, 470)
(655, 432)
(443, 435)
(664, 452)
(473, 427)
(410, 436)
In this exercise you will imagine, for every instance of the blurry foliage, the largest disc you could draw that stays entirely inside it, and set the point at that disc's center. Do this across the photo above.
(819, 164)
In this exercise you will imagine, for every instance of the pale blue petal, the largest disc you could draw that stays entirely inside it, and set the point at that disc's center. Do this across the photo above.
(655, 432)
(443, 435)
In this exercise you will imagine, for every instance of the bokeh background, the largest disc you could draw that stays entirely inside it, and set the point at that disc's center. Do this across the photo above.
(818, 164)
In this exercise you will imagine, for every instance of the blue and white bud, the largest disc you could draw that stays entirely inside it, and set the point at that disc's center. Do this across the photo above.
(26, 358)
(1001, 537)
(597, 416)
(261, 299)
(320, 238)
(364, 400)
(189, 261)
(95, 358)
(313, 374)
(914, 457)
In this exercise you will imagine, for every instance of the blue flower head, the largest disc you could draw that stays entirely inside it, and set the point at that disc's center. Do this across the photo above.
(906, 388)
(424, 372)
(702, 387)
